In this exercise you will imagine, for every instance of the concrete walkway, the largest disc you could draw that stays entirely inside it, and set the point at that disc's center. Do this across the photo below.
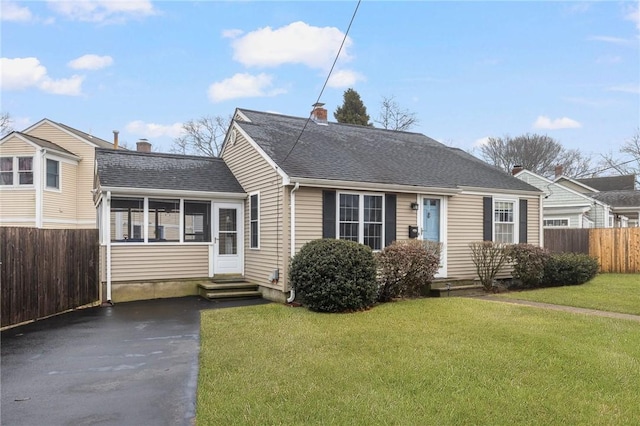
(562, 308)
(134, 363)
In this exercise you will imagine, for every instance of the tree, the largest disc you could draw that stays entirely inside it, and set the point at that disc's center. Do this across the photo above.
(629, 162)
(392, 117)
(5, 124)
(203, 136)
(352, 110)
(537, 153)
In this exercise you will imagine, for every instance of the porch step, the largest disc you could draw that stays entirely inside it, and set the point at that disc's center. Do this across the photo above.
(456, 288)
(228, 288)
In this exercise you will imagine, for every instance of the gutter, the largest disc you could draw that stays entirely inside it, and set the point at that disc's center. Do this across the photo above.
(292, 224)
(374, 186)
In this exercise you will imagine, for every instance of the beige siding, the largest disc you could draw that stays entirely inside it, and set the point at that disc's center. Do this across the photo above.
(59, 207)
(533, 221)
(84, 176)
(255, 174)
(464, 227)
(136, 262)
(308, 215)
(15, 147)
(405, 217)
(18, 204)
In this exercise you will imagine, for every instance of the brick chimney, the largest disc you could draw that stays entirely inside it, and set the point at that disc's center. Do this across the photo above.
(143, 145)
(558, 170)
(516, 169)
(319, 114)
(115, 139)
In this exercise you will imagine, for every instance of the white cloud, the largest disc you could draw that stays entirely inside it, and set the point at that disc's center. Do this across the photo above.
(608, 39)
(232, 33)
(544, 122)
(626, 88)
(153, 130)
(481, 142)
(106, 11)
(91, 62)
(10, 11)
(23, 73)
(633, 15)
(296, 43)
(344, 78)
(243, 86)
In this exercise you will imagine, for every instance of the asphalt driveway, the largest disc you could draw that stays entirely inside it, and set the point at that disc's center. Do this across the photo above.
(134, 363)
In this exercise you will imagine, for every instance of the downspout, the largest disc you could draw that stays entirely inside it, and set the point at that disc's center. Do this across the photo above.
(292, 225)
(107, 221)
(541, 220)
(40, 179)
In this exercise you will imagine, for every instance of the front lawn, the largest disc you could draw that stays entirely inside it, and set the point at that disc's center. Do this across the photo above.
(429, 361)
(606, 292)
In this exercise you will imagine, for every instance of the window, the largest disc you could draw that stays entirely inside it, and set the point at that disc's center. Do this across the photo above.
(503, 218)
(555, 223)
(127, 217)
(254, 221)
(361, 219)
(197, 221)
(16, 171)
(164, 220)
(53, 174)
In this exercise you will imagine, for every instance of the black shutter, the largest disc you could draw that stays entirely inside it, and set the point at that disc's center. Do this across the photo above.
(523, 221)
(389, 219)
(328, 214)
(487, 219)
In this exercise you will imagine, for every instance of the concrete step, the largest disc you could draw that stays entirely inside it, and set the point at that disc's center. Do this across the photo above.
(231, 294)
(227, 288)
(455, 288)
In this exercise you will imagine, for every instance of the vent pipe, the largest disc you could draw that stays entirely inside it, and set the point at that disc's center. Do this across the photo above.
(115, 139)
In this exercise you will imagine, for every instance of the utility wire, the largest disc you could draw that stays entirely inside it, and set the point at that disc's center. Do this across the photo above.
(326, 81)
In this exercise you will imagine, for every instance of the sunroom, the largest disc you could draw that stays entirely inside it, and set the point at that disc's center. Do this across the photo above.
(167, 223)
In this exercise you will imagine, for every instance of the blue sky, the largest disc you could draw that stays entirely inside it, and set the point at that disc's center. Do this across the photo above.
(468, 70)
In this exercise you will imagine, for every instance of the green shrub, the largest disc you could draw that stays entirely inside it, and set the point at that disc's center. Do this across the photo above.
(528, 263)
(406, 268)
(569, 269)
(334, 276)
(488, 258)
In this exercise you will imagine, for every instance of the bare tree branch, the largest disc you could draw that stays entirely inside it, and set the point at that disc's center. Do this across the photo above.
(203, 136)
(5, 124)
(392, 117)
(629, 162)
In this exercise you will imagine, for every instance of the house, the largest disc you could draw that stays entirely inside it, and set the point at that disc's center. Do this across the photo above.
(564, 206)
(282, 181)
(46, 177)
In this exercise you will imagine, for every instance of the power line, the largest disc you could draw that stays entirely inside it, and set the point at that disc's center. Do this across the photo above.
(326, 81)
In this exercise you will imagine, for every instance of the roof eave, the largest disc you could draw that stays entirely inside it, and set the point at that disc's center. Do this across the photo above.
(536, 192)
(177, 193)
(372, 186)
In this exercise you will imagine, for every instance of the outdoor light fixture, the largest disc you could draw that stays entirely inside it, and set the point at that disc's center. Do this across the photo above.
(414, 206)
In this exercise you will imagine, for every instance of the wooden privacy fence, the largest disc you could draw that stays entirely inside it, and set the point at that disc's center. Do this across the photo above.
(46, 271)
(617, 249)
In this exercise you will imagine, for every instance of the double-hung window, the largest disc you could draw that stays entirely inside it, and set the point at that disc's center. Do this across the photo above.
(254, 220)
(361, 219)
(53, 174)
(504, 221)
(16, 171)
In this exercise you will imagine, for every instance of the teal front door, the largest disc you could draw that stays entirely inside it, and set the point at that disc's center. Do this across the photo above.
(431, 219)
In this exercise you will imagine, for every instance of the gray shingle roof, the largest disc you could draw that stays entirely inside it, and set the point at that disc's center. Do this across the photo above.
(43, 143)
(366, 154)
(132, 169)
(629, 198)
(93, 139)
(610, 183)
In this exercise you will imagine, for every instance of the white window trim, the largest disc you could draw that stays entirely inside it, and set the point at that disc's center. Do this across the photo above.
(361, 215)
(16, 172)
(44, 175)
(557, 227)
(516, 218)
(251, 194)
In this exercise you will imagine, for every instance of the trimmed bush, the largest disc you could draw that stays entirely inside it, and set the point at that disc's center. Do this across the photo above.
(406, 268)
(488, 258)
(334, 276)
(528, 263)
(569, 269)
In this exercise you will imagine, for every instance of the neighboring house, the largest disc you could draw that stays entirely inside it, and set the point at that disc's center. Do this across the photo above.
(283, 181)
(46, 177)
(564, 206)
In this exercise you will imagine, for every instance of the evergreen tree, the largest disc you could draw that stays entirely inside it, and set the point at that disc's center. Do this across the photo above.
(352, 110)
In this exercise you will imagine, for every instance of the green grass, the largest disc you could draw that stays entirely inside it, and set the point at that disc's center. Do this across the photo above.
(606, 292)
(430, 361)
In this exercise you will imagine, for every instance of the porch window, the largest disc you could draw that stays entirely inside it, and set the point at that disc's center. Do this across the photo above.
(504, 222)
(127, 218)
(555, 223)
(16, 171)
(361, 219)
(164, 220)
(53, 174)
(197, 221)
(254, 220)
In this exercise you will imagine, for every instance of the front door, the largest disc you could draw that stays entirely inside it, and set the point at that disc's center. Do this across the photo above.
(434, 227)
(228, 239)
